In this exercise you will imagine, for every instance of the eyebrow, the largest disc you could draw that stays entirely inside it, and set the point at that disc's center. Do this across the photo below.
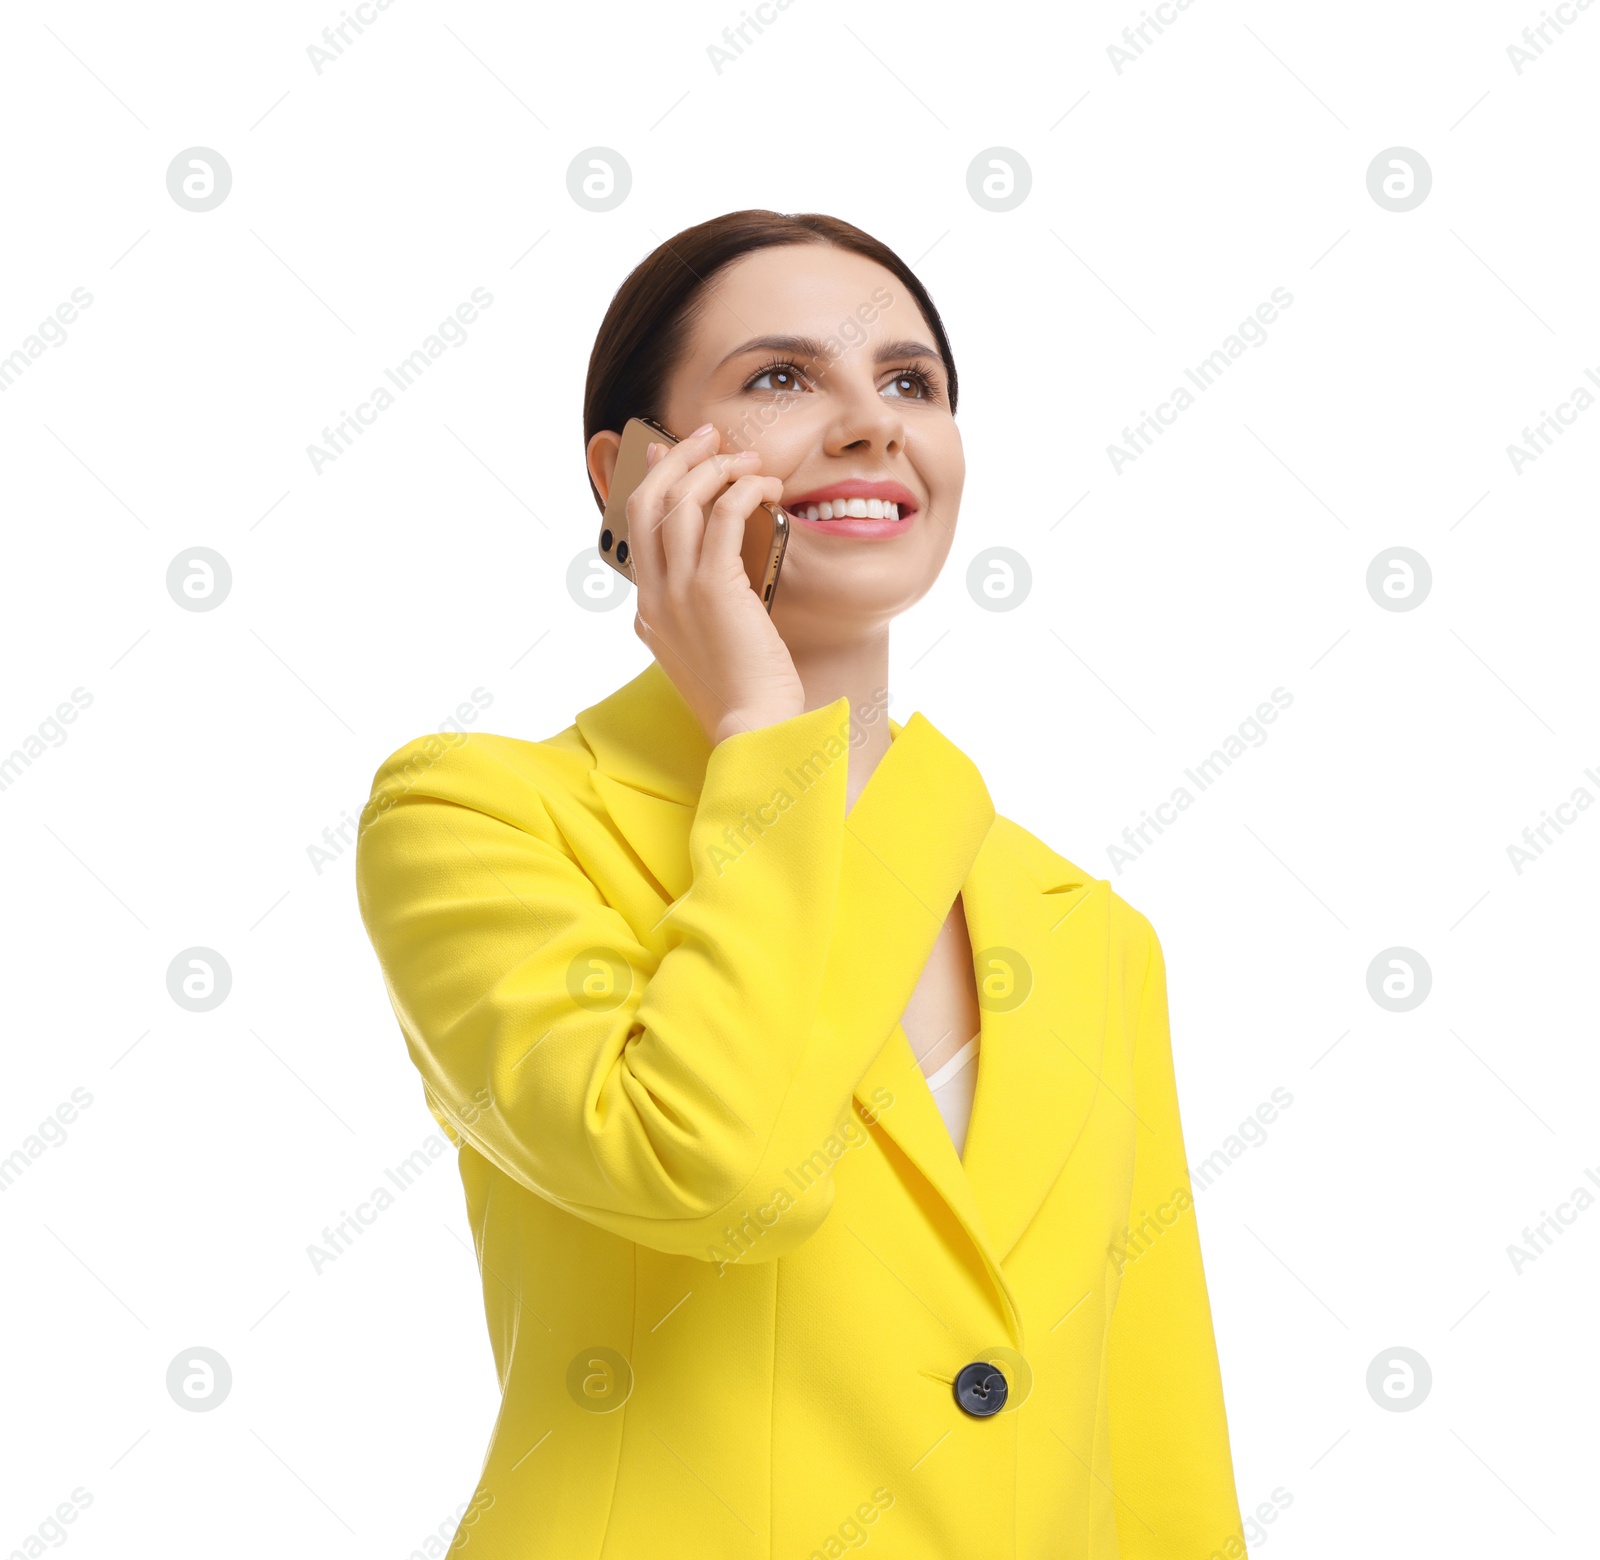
(811, 348)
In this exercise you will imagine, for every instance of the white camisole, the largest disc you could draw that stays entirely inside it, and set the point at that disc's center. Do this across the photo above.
(954, 1086)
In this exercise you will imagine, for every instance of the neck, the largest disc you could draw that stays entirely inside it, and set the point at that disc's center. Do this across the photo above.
(860, 672)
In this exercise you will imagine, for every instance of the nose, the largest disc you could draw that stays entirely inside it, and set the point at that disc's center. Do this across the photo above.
(866, 423)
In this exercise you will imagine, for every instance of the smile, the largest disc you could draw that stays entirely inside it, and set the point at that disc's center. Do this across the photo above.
(838, 509)
(855, 507)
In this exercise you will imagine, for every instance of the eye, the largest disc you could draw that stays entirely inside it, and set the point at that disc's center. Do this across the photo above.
(783, 375)
(913, 384)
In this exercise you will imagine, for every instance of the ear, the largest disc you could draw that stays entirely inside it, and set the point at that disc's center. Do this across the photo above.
(603, 448)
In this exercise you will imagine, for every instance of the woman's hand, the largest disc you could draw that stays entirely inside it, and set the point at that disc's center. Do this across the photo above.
(696, 610)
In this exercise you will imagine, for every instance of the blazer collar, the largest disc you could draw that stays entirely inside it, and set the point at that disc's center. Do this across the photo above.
(650, 758)
(1031, 915)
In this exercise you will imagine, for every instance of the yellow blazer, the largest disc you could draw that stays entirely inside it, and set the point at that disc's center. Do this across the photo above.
(733, 1268)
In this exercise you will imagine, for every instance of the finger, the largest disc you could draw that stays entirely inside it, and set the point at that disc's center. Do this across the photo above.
(682, 523)
(720, 552)
(676, 459)
(646, 503)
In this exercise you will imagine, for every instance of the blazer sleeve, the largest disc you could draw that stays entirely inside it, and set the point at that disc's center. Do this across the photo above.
(667, 1096)
(1172, 1469)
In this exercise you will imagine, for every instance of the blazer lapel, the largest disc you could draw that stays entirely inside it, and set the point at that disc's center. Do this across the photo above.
(1039, 1058)
(918, 1130)
(1047, 925)
(1040, 950)
(650, 764)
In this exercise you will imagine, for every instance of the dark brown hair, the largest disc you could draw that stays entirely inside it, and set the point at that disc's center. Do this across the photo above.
(640, 338)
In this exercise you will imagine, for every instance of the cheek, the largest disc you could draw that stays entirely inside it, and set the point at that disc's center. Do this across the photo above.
(943, 460)
(781, 433)
(945, 473)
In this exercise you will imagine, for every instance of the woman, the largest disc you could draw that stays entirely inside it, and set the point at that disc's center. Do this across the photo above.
(681, 979)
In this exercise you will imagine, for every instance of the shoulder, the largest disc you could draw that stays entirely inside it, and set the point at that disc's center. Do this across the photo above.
(505, 777)
(1135, 966)
(1132, 936)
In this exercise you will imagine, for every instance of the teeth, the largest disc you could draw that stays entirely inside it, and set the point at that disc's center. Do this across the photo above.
(841, 508)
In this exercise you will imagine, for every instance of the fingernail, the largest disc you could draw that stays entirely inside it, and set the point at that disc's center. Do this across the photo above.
(652, 454)
(703, 428)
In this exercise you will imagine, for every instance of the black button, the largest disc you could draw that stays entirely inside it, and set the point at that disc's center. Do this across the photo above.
(981, 1390)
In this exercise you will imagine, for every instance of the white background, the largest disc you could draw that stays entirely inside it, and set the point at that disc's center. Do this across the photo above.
(1168, 200)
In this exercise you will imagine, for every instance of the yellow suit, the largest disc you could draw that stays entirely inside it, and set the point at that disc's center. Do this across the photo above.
(732, 1265)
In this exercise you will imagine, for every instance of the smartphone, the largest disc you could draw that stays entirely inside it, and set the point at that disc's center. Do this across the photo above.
(766, 531)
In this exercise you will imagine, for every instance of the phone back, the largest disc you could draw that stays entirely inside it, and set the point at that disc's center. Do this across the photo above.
(637, 437)
(766, 532)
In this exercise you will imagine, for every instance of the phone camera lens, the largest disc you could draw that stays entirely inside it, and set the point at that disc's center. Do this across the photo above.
(605, 540)
(622, 552)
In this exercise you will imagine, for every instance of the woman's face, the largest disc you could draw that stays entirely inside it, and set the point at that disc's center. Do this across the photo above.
(822, 361)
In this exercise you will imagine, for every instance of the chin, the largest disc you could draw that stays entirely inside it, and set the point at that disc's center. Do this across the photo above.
(839, 612)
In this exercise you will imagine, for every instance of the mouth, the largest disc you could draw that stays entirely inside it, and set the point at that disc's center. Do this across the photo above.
(855, 507)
